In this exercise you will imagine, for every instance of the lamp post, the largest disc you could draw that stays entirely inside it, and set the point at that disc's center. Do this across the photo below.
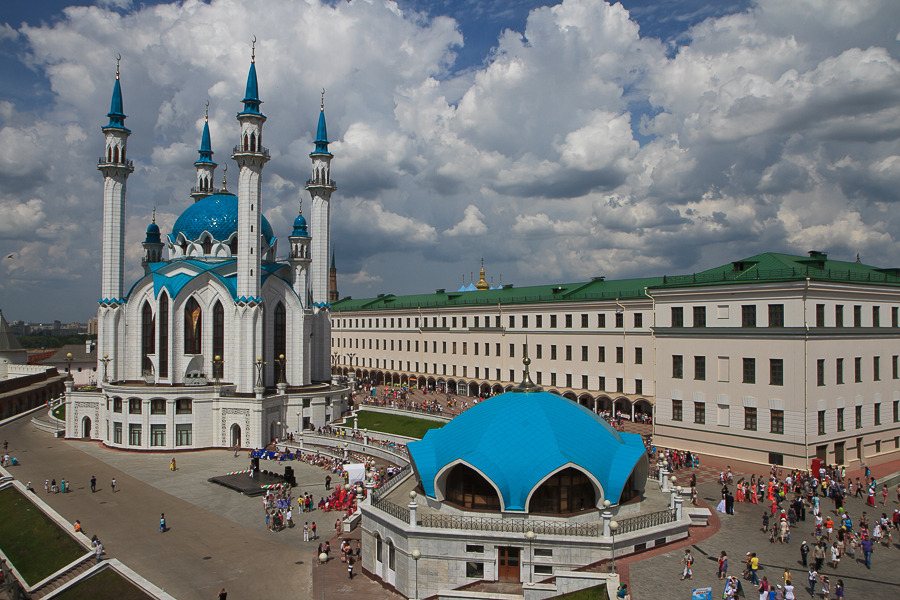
(69, 359)
(416, 555)
(105, 360)
(217, 368)
(334, 362)
(323, 558)
(613, 525)
(529, 535)
(282, 363)
(260, 363)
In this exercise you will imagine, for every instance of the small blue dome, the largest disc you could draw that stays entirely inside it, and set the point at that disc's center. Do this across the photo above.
(300, 227)
(153, 236)
(217, 214)
(548, 433)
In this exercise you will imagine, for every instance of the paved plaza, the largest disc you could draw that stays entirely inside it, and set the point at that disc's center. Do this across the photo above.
(217, 538)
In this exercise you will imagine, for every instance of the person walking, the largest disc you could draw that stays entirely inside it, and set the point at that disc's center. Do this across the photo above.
(93, 483)
(804, 552)
(813, 577)
(112, 485)
(687, 560)
(312, 531)
(306, 531)
(723, 565)
(754, 567)
(819, 554)
(867, 547)
(98, 550)
(223, 595)
(350, 567)
(162, 522)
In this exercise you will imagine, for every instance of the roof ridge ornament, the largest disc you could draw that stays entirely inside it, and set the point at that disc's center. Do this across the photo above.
(527, 386)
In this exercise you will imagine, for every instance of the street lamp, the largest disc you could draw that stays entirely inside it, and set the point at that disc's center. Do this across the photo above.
(282, 363)
(105, 360)
(416, 555)
(217, 368)
(260, 363)
(529, 535)
(613, 525)
(69, 359)
(323, 558)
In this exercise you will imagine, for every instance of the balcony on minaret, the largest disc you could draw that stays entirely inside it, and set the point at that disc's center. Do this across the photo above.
(200, 190)
(320, 181)
(107, 162)
(241, 150)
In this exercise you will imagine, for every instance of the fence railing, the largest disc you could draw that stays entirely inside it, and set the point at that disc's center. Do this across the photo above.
(638, 522)
(391, 483)
(398, 512)
(512, 525)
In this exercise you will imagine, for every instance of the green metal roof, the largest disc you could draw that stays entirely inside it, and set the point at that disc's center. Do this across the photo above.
(766, 267)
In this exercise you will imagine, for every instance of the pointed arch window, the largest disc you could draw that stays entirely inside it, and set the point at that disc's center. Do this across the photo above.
(116, 154)
(148, 342)
(163, 357)
(468, 489)
(193, 327)
(218, 338)
(280, 334)
(565, 492)
(207, 246)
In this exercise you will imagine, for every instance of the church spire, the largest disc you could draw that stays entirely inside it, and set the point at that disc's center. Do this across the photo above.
(482, 284)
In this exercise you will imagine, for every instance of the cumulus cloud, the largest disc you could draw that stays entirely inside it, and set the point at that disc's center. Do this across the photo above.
(577, 148)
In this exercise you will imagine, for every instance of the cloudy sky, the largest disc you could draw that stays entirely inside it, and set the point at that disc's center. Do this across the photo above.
(558, 142)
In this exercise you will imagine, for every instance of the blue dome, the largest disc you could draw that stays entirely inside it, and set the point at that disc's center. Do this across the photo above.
(217, 214)
(300, 227)
(516, 440)
(153, 236)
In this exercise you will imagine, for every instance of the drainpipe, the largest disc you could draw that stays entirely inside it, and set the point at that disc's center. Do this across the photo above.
(806, 376)
(653, 366)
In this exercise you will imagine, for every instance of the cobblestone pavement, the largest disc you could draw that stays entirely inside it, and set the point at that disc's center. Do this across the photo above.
(658, 576)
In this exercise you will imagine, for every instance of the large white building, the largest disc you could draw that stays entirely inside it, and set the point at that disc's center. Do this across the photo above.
(774, 358)
(219, 344)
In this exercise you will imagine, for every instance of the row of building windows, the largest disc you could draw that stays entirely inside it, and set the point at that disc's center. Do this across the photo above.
(637, 320)
(183, 434)
(749, 316)
(776, 369)
(776, 417)
(183, 406)
(463, 347)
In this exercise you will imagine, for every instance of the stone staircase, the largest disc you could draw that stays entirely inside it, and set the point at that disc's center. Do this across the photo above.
(74, 571)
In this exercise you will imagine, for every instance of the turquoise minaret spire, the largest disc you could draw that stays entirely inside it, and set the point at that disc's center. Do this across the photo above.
(206, 168)
(116, 114)
(251, 94)
(321, 131)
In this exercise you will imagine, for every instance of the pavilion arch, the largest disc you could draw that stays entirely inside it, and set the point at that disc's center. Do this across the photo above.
(379, 378)
(622, 404)
(643, 406)
(441, 385)
(508, 388)
(588, 401)
(395, 378)
(451, 386)
(555, 392)
(431, 383)
(591, 495)
(496, 389)
(462, 388)
(470, 488)
(636, 482)
(484, 389)
(421, 382)
(570, 396)
(473, 388)
(404, 381)
(604, 403)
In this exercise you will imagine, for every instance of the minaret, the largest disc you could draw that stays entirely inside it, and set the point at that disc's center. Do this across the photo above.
(320, 188)
(332, 281)
(250, 157)
(153, 245)
(206, 168)
(299, 258)
(115, 168)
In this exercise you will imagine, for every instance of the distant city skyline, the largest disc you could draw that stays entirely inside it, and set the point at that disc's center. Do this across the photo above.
(558, 142)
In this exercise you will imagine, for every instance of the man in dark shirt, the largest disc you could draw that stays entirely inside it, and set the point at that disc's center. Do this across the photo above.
(867, 547)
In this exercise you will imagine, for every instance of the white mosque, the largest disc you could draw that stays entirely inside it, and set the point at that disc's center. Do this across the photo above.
(219, 344)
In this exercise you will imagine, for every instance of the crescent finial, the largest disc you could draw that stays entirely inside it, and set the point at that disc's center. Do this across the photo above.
(207, 110)
(118, 60)
(253, 50)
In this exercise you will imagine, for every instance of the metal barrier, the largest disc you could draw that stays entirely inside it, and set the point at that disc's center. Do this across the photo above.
(398, 512)
(629, 524)
(391, 483)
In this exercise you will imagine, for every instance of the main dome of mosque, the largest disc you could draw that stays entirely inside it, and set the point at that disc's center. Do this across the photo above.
(216, 214)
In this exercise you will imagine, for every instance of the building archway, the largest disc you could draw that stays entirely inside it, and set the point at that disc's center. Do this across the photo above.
(496, 389)
(473, 388)
(86, 427)
(570, 396)
(569, 490)
(236, 436)
(622, 405)
(588, 402)
(643, 406)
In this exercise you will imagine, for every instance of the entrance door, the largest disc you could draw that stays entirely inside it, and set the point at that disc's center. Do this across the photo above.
(508, 563)
(839, 453)
(235, 436)
(86, 427)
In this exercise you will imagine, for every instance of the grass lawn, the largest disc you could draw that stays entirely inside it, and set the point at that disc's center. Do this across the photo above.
(60, 412)
(35, 544)
(396, 424)
(592, 593)
(105, 585)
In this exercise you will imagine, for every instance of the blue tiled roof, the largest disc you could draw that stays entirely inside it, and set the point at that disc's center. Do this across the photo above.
(517, 439)
(217, 214)
(300, 227)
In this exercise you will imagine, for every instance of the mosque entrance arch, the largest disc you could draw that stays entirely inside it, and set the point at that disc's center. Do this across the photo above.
(86, 427)
(236, 436)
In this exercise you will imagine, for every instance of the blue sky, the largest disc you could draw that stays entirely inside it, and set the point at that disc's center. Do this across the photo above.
(558, 142)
